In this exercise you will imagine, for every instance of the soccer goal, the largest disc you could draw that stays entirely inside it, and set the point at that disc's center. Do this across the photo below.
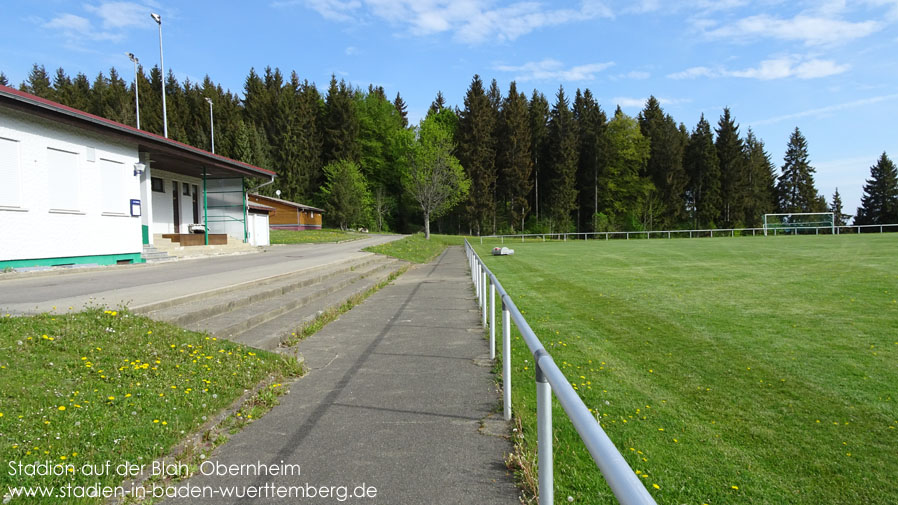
(797, 221)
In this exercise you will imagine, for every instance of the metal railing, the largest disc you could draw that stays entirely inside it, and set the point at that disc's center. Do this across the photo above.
(623, 482)
(718, 232)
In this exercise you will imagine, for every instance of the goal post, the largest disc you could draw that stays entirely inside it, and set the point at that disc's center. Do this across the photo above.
(794, 222)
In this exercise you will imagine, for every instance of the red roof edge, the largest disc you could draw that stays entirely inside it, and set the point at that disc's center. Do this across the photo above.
(65, 109)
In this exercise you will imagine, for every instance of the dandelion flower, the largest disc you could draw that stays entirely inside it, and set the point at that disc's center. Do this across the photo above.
(62, 407)
(735, 487)
(656, 486)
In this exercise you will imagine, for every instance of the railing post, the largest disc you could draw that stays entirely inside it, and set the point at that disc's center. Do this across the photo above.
(485, 304)
(492, 319)
(506, 362)
(544, 435)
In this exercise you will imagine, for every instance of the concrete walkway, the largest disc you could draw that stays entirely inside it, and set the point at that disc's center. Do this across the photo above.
(399, 398)
(145, 284)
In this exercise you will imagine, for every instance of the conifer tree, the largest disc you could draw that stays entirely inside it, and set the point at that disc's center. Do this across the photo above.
(761, 184)
(591, 130)
(539, 134)
(477, 153)
(62, 87)
(401, 109)
(731, 159)
(438, 104)
(703, 190)
(839, 217)
(4, 81)
(563, 140)
(345, 194)
(795, 188)
(665, 164)
(38, 83)
(513, 157)
(879, 204)
(340, 124)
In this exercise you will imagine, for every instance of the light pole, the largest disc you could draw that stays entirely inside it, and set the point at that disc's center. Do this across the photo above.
(158, 19)
(136, 93)
(211, 124)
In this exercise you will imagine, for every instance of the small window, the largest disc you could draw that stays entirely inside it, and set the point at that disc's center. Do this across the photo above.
(157, 185)
(186, 189)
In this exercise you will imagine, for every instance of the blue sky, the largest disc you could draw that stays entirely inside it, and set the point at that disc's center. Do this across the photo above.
(828, 67)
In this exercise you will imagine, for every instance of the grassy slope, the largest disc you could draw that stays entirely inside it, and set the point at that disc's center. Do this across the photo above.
(311, 236)
(766, 365)
(103, 386)
(415, 249)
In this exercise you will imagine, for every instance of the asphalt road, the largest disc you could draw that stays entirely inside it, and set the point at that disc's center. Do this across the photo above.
(137, 285)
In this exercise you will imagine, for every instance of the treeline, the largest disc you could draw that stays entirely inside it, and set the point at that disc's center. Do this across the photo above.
(532, 165)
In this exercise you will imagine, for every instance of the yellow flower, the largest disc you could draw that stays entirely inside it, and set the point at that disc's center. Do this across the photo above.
(62, 407)
(155, 420)
(735, 487)
(656, 486)
(110, 398)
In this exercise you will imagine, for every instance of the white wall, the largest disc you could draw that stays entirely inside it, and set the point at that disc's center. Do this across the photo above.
(258, 229)
(163, 207)
(77, 206)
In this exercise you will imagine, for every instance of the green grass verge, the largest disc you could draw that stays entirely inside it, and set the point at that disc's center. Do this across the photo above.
(86, 388)
(731, 370)
(312, 236)
(415, 248)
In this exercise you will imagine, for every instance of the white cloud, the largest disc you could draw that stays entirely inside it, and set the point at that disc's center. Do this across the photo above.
(636, 75)
(775, 68)
(553, 70)
(470, 21)
(112, 17)
(812, 30)
(823, 111)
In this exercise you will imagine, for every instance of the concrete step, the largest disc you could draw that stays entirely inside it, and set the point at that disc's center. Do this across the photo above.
(152, 255)
(249, 315)
(196, 308)
(271, 334)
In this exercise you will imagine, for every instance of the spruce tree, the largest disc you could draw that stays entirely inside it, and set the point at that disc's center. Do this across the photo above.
(703, 189)
(38, 83)
(731, 159)
(539, 134)
(795, 188)
(4, 81)
(438, 104)
(839, 218)
(477, 153)
(513, 157)
(62, 86)
(591, 130)
(761, 184)
(563, 140)
(665, 164)
(341, 124)
(401, 109)
(879, 204)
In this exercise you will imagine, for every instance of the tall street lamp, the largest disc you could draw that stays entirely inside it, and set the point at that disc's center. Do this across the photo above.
(211, 123)
(158, 19)
(136, 93)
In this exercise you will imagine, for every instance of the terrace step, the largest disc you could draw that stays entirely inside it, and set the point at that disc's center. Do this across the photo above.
(152, 255)
(266, 312)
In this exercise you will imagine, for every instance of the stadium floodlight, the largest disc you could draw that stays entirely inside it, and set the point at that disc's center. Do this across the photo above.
(794, 222)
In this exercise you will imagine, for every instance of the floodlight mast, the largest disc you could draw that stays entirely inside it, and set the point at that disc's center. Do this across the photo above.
(158, 19)
(136, 86)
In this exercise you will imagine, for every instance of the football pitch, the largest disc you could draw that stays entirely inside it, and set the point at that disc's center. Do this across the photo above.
(726, 370)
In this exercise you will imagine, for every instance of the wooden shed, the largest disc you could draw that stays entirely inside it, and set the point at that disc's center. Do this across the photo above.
(287, 215)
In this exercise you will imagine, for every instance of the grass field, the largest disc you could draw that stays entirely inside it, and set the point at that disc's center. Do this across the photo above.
(85, 388)
(730, 370)
(312, 236)
(415, 249)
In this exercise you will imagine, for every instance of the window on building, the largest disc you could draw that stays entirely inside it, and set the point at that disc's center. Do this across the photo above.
(112, 184)
(62, 183)
(186, 189)
(157, 185)
(10, 173)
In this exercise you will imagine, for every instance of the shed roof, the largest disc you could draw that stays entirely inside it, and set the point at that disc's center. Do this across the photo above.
(288, 202)
(159, 146)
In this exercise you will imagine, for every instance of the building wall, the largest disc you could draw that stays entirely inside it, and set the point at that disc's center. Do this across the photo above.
(163, 204)
(258, 229)
(289, 217)
(227, 209)
(63, 192)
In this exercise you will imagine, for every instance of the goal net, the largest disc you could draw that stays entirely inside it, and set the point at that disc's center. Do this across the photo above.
(801, 222)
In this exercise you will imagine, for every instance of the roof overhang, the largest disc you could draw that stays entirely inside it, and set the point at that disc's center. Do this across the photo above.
(165, 153)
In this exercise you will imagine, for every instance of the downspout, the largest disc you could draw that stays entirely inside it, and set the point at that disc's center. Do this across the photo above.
(246, 205)
(205, 209)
